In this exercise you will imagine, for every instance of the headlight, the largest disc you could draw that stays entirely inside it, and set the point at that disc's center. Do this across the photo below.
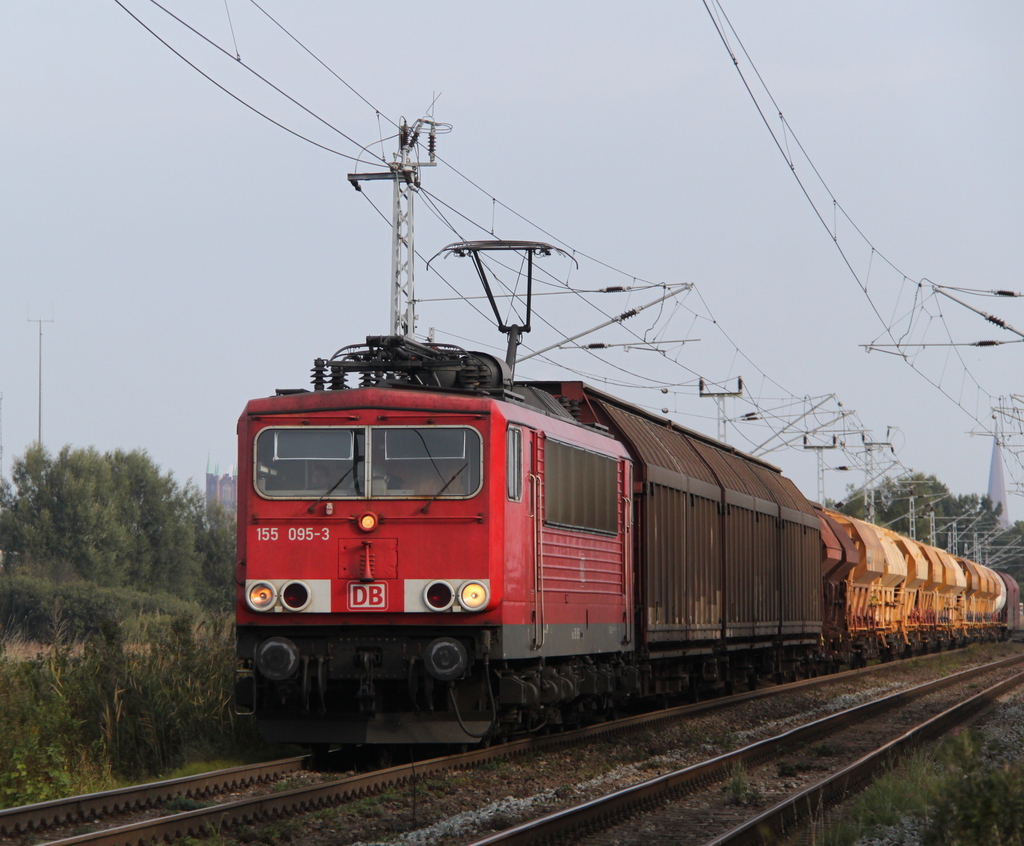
(438, 596)
(473, 596)
(277, 658)
(261, 596)
(367, 521)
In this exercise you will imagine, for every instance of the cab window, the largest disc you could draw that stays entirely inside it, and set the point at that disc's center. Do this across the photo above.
(297, 463)
(410, 462)
(425, 461)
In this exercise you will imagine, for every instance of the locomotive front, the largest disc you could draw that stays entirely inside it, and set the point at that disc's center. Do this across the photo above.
(367, 584)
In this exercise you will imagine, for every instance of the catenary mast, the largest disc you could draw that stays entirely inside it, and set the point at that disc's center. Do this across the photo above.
(404, 172)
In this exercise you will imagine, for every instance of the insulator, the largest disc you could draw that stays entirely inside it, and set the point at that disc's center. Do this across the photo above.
(1007, 294)
(991, 318)
(432, 144)
(574, 409)
(366, 379)
(337, 378)
(469, 376)
(319, 370)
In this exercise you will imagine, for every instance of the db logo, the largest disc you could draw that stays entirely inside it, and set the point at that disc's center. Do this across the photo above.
(372, 596)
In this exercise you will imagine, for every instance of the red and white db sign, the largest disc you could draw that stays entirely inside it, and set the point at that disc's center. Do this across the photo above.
(368, 597)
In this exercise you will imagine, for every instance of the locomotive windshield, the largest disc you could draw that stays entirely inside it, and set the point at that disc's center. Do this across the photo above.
(368, 463)
(295, 463)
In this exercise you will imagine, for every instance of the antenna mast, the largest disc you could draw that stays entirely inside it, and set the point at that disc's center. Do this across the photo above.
(404, 173)
(40, 321)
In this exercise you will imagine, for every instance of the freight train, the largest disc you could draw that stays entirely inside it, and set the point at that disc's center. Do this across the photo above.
(439, 554)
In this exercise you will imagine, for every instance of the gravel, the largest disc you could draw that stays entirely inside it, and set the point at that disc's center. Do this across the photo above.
(1002, 741)
(467, 805)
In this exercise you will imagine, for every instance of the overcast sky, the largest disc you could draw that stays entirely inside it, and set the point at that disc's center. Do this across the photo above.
(193, 255)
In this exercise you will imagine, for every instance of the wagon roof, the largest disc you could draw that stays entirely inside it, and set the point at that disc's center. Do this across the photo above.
(657, 442)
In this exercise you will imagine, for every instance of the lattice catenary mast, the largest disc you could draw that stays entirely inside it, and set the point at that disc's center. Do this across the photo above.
(404, 172)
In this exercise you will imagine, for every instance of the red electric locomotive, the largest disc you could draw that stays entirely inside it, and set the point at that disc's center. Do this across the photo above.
(430, 558)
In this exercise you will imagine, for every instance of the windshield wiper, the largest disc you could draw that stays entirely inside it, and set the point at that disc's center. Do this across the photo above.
(331, 489)
(456, 475)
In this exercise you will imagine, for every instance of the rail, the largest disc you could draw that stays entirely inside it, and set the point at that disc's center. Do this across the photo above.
(600, 812)
(35, 818)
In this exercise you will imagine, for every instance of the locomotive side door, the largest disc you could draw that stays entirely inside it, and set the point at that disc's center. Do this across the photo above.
(535, 462)
(523, 535)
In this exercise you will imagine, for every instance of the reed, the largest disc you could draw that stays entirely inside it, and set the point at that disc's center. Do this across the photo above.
(79, 716)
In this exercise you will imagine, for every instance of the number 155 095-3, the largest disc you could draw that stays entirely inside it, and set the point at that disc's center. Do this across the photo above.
(268, 533)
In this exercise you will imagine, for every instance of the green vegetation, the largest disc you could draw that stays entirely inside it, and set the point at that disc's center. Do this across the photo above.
(116, 643)
(947, 794)
(83, 717)
(738, 787)
(113, 520)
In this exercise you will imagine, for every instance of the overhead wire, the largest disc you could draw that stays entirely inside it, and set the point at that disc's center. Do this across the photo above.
(323, 64)
(639, 337)
(495, 201)
(434, 201)
(542, 319)
(251, 70)
(944, 382)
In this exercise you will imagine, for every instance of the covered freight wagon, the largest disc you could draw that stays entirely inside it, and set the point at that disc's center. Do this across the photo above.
(728, 552)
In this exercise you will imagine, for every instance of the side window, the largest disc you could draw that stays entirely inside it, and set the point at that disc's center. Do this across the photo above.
(514, 463)
(581, 489)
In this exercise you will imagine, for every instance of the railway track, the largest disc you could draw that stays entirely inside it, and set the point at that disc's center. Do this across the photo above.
(687, 807)
(100, 808)
(111, 803)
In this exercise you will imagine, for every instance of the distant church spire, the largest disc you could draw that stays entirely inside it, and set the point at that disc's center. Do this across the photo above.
(996, 483)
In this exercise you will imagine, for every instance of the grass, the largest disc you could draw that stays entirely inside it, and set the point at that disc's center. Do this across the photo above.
(787, 769)
(825, 750)
(946, 794)
(739, 789)
(79, 717)
(253, 755)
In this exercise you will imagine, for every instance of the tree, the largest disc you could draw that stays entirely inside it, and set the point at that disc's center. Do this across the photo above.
(215, 544)
(116, 520)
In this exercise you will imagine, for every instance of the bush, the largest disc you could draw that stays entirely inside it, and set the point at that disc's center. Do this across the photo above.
(982, 809)
(78, 719)
(114, 519)
(30, 607)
